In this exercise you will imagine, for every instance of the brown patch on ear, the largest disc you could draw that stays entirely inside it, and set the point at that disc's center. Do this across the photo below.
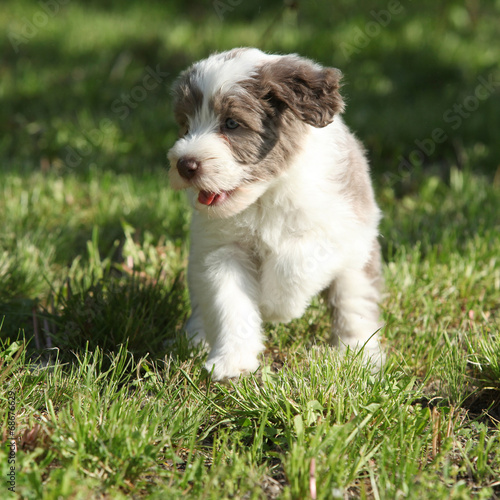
(308, 90)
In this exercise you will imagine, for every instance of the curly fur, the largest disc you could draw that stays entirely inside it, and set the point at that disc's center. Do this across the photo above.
(284, 207)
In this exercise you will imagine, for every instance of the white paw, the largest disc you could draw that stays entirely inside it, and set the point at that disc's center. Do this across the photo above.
(373, 353)
(225, 366)
(195, 331)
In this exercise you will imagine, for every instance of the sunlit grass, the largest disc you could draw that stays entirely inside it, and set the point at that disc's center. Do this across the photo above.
(110, 400)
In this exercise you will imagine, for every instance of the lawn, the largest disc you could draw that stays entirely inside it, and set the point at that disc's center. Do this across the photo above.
(101, 395)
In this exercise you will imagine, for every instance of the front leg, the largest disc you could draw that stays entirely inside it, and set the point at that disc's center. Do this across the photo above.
(224, 288)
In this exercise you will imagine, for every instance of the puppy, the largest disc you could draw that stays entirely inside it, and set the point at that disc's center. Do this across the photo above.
(284, 207)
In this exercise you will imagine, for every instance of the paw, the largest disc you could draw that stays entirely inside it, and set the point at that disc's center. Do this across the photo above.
(373, 354)
(374, 357)
(195, 331)
(224, 366)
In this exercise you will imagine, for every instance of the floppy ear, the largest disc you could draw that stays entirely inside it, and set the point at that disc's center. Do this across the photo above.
(310, 91)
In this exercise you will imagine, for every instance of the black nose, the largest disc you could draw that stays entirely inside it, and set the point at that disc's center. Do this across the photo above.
(187, 167)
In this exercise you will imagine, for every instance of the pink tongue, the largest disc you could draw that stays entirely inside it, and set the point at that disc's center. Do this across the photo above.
(206, 198)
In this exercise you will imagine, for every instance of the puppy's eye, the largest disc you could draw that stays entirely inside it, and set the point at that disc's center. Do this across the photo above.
(231, 124)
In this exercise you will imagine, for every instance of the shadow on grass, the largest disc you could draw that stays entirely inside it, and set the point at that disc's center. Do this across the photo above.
(147, 315)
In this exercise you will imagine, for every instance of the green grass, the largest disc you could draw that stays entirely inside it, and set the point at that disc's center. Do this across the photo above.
(110, 401)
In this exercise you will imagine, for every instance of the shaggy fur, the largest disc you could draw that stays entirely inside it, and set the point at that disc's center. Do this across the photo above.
(284, 207)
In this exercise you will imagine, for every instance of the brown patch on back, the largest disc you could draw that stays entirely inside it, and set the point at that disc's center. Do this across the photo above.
(357, 185)
(373, 268)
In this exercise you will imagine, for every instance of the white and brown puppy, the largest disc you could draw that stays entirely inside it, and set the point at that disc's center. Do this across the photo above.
(284, 207)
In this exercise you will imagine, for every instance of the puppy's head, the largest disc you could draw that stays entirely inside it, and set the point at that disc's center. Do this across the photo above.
(243, 115)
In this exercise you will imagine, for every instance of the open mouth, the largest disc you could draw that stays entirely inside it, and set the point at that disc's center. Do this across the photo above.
(213, 199)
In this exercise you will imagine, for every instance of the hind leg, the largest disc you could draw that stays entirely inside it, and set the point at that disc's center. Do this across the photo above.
(353, 297)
